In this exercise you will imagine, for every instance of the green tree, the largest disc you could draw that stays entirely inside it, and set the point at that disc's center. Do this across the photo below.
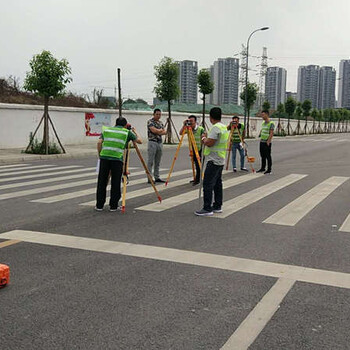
(48, 78)
(298, 113)
(289, 107)
(252, 91)
(167, 88)
(314, 116)
(306, 107)
(266, 106)
(280, 113)
(206, 87)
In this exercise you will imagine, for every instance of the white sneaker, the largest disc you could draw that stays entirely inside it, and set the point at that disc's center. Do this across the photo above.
(98, 209)
(115, 209)
(217, 210)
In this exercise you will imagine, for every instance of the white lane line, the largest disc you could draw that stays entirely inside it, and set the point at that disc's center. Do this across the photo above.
(175, 201)
(24, 170)
(256, 321)
(13, 166)
(292, 213)
(52, 179)
(235, 204)
(144, 191)
(230, 263)
(346, 225)
(76, 194)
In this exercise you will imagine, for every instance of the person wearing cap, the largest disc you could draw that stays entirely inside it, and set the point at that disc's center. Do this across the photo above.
(110, 148)
(236, 141)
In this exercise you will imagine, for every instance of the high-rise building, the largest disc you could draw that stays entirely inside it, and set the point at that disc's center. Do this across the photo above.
(188, 71)
(326, 94)
(275, 86)
(308, 84)
(344, 84)
(291, 94)
(225, 74)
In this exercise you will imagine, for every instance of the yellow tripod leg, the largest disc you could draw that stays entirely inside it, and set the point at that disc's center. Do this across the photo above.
(191, 153)
(229, 146)
(175, 157)
(125, 169)
(246, 152)
(194, 147)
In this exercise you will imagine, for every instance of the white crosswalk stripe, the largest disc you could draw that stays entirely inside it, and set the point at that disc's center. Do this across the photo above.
(248, 198)
(292, 213)
(23, 170)
(76, 194)
(345, 227)
(43, 174)
(51, 179)
(13, 166)
(175, 201)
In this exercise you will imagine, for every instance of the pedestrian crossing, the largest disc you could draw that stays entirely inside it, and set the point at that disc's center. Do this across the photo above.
(311, 139)
(48, 185)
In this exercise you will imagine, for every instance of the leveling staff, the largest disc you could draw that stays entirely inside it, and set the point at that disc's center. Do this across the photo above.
(110, 148)
(215, 154)
(237, 138)
(197, 133)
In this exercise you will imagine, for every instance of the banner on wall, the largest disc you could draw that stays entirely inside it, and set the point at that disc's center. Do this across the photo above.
(94, 123)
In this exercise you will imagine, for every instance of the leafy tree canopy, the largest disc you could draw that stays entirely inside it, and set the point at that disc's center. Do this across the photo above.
(290, 106)
(306, 107)
(48, 76)
(166, 73)
(206, 85)
(252, 89)
(266, 106)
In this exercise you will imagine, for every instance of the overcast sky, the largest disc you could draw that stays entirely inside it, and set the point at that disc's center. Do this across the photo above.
(96, 37)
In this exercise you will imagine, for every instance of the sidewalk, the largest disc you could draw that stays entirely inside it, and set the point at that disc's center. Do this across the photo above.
(15, 155)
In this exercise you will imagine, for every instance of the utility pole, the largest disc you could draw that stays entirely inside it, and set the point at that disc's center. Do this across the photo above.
(262, 77)
(119, 94)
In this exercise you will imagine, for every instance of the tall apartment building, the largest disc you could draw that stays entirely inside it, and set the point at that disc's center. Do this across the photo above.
(344, 84)
(308, 84)
(225, 75)
(291, 94)
(326, 94)
(188, 71)
(275, 86)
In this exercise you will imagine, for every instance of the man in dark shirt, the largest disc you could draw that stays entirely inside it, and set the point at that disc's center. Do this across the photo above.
(155, 130)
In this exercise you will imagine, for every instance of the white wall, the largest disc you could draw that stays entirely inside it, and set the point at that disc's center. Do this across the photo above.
(17, 121)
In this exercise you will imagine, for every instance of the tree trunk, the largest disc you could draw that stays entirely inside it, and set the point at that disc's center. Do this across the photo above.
(248, 112)
(288, 125)
(169, 131)
(203, 113)
(46, 125)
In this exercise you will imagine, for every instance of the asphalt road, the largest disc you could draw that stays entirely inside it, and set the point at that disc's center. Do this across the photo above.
(272, 272)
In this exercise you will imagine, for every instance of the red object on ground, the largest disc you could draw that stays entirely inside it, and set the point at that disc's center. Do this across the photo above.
(4, 275)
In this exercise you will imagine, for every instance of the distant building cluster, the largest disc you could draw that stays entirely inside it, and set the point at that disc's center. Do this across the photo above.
(315, 83)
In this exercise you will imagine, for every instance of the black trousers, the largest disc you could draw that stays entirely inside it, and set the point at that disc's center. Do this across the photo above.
(198, 170)
(115, 167)
(265, 153)
(212, 182)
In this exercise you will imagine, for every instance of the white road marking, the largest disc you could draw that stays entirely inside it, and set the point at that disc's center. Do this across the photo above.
(52, 179)
(45, 189)
(144, 191)
(26, 170)
(346, 225)
(13, 166)
(43, 174)
(172, 202)
(230, 263)
(292, 213)
(86, 192)
(256, 321)
(235, 204)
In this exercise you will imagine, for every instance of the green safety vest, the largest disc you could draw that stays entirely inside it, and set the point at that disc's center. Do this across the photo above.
(197, 136)
(265, 130)
(114, 142)
(220, 146)
(235, 135)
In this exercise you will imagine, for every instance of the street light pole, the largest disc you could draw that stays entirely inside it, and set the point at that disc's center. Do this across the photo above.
(246, 80)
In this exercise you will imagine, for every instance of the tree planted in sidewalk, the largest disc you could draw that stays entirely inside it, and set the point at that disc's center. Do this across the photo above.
(290, 106)
(167, 88)
(206, 87)
(48, 78)
(306, 107)
(252, 90)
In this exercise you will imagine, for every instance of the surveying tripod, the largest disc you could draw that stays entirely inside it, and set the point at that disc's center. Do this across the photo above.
(192, 147)
(249, 159)
(125, 173)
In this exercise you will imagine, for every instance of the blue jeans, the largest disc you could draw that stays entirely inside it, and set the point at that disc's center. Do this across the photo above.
(236, 146)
